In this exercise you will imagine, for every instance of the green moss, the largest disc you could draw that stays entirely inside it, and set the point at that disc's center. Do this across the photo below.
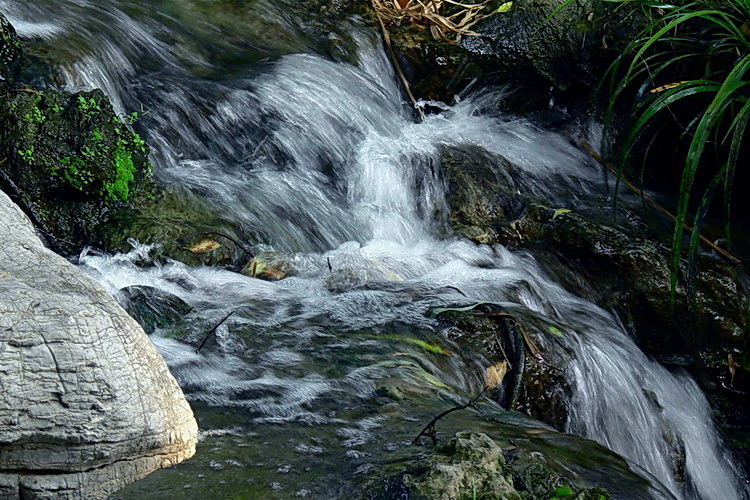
(119, 189)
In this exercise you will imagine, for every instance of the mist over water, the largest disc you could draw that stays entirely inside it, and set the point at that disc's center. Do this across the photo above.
(320, 157)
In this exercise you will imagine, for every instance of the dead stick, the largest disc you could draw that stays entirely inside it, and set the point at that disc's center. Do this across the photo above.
(595, 155)
(429, 429)
(212, 331)
(397, 66)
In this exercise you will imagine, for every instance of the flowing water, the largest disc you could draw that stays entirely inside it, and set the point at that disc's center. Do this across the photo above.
(304, 143)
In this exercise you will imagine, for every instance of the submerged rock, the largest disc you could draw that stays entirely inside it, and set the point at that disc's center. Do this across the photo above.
(153, 308)
(87, 404)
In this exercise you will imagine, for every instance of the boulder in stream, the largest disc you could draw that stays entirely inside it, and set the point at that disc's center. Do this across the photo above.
(87, 403)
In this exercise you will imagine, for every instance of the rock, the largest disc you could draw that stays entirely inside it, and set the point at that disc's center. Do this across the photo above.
(153, 308)
(468, 463)
(539, 389)
(625, 268)
(87, 404)
(10, 51)
(71, 162)
(561, 54)
(174, 221)
(269, 266)
(517, 459)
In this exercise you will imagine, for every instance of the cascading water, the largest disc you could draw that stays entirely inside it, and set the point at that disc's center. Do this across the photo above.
(320, 159)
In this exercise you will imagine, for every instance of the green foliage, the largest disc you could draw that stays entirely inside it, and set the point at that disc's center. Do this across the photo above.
(76, 172)
(703, 44)
(35, 114)
(27, 155)
(88, 106)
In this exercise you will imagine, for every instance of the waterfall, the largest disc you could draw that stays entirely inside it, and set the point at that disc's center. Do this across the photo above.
(321, 158)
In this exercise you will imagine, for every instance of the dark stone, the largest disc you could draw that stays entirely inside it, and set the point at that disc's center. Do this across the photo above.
(559, 55)
(153, 308)
(10, 51)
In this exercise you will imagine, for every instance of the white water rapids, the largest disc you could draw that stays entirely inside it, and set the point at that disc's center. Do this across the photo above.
(323, 160)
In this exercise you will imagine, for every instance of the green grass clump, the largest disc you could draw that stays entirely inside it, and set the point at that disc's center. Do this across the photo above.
(694, 54)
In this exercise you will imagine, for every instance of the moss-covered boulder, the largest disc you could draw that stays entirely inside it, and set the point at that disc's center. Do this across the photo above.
(70, 160)
(513, 461)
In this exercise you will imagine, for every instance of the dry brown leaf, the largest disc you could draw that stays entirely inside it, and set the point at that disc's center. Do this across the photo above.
(666, 87)
(732, 368)
(494, 375)
(204, 246)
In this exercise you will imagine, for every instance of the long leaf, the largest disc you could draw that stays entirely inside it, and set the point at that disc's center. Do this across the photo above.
(723, 98)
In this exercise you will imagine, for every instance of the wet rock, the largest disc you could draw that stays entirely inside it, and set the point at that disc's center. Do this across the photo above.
(559, 53)
(174, 221)
(516, 459)
(10, 51)
(468, 463)
(624, 268)
(269, 266)
(71, 162)
(614, 266)
(153, 308)
(536, 387)
(87, 404)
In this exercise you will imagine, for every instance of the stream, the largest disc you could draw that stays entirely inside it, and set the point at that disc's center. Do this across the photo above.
(307, 146)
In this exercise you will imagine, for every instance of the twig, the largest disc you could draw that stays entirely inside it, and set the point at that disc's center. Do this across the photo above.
(397, 66)
(223, 235)
(596, 156)
(30, 91)
(212, 331)
(429, 429)
(450, 287)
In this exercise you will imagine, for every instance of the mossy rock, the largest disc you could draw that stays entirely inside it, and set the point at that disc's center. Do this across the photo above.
(71, 161)
(174, 222)
(506, 466)
(470, 465)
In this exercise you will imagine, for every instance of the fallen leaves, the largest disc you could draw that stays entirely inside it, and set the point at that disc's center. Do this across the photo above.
(732, 368)
(432, 14)
(494, 375)
(204, 246)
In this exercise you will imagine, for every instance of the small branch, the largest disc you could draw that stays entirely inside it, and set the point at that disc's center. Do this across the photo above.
(30, 91)
(397, 66)
(596, 156)
(450, 287)
(212, 331)
(429, 429)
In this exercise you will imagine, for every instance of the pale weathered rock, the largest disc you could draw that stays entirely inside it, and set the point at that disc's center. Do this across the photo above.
(87, 404)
